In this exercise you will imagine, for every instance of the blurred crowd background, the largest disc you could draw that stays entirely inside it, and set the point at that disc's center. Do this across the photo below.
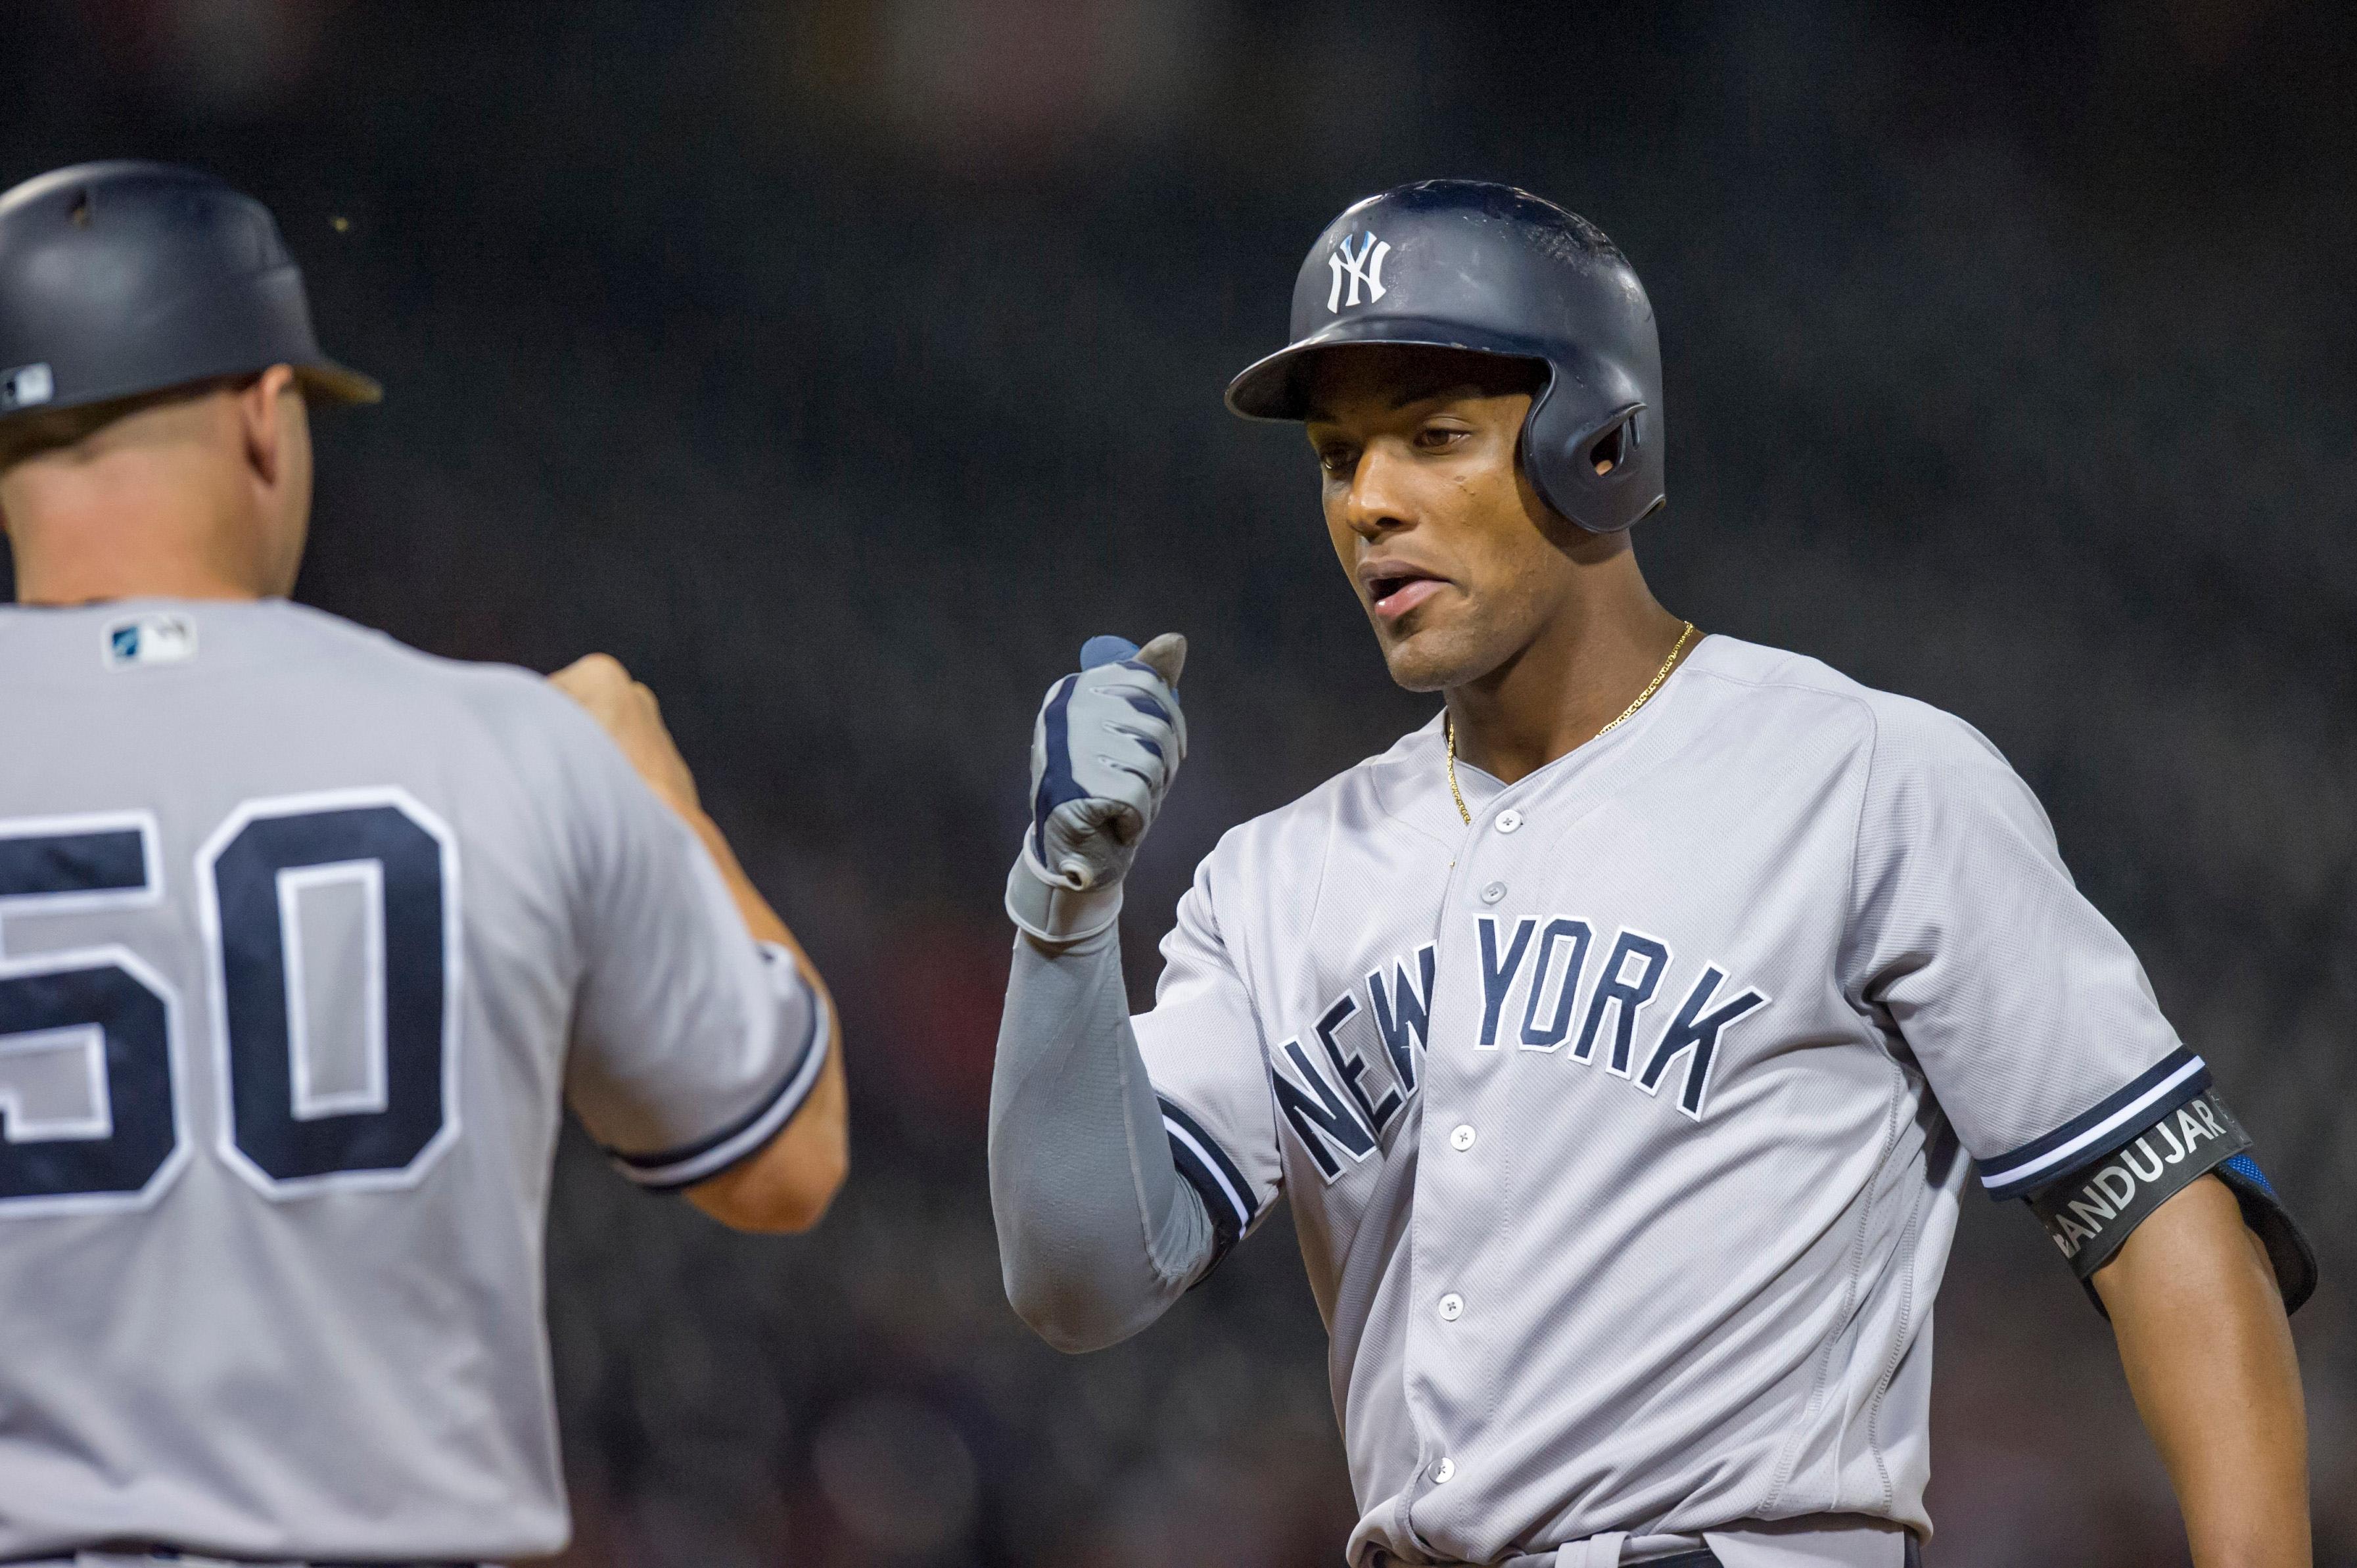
(841, 366)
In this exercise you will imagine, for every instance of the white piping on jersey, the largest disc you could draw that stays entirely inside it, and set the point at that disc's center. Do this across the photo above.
(1180, 1134)
(2011, 1176)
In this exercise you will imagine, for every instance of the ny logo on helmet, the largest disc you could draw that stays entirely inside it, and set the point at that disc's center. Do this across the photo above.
(1366, 267)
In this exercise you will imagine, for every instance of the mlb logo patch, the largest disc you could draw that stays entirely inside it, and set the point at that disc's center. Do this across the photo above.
(151, 639)
(27, 386)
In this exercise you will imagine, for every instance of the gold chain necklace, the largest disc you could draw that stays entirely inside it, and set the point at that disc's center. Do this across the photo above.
(1449, 723)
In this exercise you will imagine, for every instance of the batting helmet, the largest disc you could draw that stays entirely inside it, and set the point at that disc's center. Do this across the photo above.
(1461, 263)
(122, 278)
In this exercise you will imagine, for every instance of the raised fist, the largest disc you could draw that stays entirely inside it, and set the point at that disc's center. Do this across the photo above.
(1104, 748)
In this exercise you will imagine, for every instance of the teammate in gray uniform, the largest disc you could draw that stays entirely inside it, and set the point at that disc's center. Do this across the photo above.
(1623, 1037)
(308, 938)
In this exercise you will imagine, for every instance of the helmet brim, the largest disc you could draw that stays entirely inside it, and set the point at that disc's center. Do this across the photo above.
(324, 381)
(1278, 387)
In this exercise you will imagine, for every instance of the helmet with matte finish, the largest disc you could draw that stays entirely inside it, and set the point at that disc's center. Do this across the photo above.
(122, 278)
(1460, 263)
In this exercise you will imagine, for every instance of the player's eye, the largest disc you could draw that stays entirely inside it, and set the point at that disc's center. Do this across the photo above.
(1337, 458)
(1440, 437)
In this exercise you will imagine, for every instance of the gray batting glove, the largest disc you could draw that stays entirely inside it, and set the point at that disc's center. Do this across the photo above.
(1104, 750)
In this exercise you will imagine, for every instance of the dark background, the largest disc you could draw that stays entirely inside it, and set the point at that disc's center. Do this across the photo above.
(841, 366)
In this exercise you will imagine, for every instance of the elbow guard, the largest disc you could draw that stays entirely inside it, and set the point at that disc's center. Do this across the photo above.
(2090, 1212)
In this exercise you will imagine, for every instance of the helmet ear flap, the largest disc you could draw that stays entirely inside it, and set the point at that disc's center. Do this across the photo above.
(1617, 447)
(1586, 473)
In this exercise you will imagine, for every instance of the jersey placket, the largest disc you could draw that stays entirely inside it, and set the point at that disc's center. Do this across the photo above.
(1462, 1272)
(1459, 1274)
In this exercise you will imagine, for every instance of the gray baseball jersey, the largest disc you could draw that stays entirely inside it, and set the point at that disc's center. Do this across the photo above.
(304, 937)
(1624, 1129)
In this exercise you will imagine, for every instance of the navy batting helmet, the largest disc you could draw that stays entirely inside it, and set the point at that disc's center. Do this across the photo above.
(118, 279)
(1461, 263)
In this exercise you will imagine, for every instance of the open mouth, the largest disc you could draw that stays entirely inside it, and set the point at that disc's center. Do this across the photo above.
(1394, 592)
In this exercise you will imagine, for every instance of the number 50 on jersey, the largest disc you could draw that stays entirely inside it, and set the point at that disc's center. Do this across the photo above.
(96, 1054)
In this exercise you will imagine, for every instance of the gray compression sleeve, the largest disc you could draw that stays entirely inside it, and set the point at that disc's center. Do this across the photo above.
(1097, 1234)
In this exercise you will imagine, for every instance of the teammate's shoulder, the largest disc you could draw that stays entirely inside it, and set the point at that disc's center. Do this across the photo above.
(341, 646)
(514, 704)
(1901, 731)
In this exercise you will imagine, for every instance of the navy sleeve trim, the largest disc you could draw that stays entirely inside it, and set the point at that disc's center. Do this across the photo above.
(2169, 1083)
(674, 1168)
(1209, 1170)
(2091, 1212)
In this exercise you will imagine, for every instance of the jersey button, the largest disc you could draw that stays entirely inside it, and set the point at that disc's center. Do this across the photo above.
(1452, 1308)
(1460, 1138)
(1491, 894)
(1444, 1472)
(1509, 820)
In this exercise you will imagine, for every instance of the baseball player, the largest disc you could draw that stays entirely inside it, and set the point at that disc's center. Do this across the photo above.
(304, 937)
(1622, 1039)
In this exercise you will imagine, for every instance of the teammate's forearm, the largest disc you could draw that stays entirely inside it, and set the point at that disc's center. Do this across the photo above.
(787, 1185)
(1097, 1235)
(760, 919)
(2208, 1358)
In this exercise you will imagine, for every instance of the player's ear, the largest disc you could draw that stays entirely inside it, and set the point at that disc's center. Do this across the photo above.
(269, 409)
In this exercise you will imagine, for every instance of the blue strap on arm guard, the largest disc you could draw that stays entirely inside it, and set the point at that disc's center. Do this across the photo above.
(2287, 1247)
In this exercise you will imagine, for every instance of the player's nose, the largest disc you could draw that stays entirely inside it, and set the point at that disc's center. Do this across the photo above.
(1378, 500)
